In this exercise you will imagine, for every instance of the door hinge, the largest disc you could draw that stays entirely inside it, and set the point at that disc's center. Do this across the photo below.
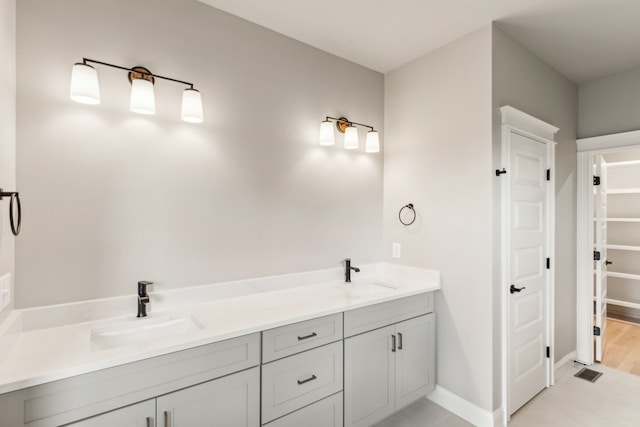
(548, 263)
(596, 180)
(596, 255)
(596, 331)
(548, 174)
(548, 352)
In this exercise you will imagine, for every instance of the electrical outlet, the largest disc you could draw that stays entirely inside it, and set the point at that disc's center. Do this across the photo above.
(395, 250)
(5, 291)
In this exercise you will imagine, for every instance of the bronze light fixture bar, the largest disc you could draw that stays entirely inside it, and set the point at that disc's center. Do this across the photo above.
(136, 70)
(347, 127)
(85, 89)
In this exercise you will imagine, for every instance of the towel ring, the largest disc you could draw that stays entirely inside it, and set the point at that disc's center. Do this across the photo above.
(14, 198)
(411, 216)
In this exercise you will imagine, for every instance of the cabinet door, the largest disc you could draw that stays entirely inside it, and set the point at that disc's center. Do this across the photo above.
(231, 401)
(138, 415)
(415, 358)
(368, 377)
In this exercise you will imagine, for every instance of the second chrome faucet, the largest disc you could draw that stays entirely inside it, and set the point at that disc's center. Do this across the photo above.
(143, 298)
(347, 270)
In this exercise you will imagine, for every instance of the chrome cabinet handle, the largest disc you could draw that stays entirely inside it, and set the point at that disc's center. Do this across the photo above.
(166, 418)
(393, 343)
(311, 335)
(148, 421)
(399, 341)
(311, 378)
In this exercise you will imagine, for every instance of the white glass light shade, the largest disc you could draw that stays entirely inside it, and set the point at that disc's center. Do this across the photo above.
(142, 97)
(372, 144)
(84, 84)
(326, 133)
(192, 106)
(351, 138)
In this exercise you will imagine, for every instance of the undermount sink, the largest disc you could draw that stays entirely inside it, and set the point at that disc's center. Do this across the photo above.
(136, 330)
(366, 288)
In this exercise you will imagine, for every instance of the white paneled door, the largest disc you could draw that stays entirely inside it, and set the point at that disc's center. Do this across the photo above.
(600, 254)
(528, 222)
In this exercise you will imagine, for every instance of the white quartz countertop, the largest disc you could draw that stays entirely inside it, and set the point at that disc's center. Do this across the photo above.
(32, 356)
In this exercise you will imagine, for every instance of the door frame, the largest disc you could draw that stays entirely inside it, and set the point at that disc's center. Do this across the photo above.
(587, 149)
(516, 121)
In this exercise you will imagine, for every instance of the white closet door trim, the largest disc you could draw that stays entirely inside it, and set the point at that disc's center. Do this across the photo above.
(616, 140)
(516, 121)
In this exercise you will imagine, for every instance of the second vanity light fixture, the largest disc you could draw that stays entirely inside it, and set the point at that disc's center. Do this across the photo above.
(344, 125)
(85, 90)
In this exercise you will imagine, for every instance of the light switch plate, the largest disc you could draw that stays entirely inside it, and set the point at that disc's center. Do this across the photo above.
(395, 250)
(5, 291)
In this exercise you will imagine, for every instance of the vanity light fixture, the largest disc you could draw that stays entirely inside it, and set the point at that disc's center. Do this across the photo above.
(344, 125)
(85, 89)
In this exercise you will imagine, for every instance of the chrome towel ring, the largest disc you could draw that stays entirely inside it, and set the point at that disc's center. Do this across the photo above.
(14, 198)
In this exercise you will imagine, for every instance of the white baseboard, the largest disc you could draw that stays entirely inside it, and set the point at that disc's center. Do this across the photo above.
(564, 364)
(481, 417)
(464, 409)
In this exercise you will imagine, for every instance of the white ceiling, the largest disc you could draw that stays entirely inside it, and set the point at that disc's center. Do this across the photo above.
(583, 39)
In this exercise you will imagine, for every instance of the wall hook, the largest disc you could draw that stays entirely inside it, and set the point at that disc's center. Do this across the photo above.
(500, 172)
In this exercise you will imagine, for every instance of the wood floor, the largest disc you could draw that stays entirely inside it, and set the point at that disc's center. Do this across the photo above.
(622, 348)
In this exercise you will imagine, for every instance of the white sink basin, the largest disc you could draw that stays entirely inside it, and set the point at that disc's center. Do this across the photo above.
(366, 288)
(142, 330)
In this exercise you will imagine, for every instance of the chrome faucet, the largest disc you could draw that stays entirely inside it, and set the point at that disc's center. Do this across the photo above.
(143, 298)
(347, 270)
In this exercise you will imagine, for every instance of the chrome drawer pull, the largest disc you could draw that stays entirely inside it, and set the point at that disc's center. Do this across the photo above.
(311, 378)
(311, 335)
(399, 341)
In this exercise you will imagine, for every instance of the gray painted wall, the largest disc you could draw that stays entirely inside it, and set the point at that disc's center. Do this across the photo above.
(7, 130)
(443, 140)
(522, 80)
(112, 197)
(438, 157)
(609, 105)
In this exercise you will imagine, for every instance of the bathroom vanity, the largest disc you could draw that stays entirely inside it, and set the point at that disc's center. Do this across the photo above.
(351, 357)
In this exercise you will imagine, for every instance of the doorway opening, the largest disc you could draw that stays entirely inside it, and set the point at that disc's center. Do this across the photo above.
(609, 251)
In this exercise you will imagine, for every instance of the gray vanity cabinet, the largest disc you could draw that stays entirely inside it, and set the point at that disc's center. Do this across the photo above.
(222, 378)
(232, 401)
(389, 367)
(302, 374)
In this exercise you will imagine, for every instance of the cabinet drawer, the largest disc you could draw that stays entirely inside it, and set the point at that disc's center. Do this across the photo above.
(376, 316)
(325, 413)
(138, 415)
(287, 340)
(289, 384)
(85, 395)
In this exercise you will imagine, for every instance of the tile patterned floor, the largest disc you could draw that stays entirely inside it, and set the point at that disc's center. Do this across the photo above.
(423, 413)
(612, 401)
